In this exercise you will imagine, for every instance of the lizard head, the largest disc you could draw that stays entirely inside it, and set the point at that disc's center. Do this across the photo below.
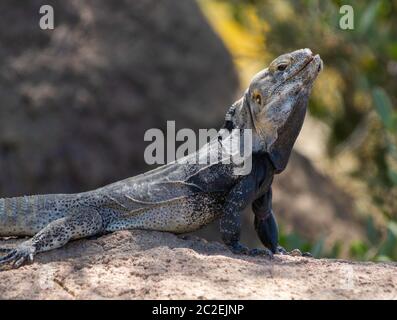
(274, 105)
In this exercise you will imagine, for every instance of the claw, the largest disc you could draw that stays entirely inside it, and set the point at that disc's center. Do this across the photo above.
(295, 253)
(16, 257)
(6, 250)
(261, 252)
(8, 256)
(238, 248)
(281, 250)
(19, 262)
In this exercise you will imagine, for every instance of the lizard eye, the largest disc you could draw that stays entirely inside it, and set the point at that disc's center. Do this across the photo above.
(257, 98)
(282, 66)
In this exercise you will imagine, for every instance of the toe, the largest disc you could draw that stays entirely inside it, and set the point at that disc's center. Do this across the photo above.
(281, 250)
(19, 261)
(296, 253)
(261, 252)
(6, 260)
(8, 257)
(15, 257)
(238, 248)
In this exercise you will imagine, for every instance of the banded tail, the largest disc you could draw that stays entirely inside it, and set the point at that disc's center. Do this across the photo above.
(27, 215)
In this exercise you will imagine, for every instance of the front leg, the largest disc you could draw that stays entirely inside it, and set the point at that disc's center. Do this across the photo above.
(230, 224)
(266, 226)
(82, 223)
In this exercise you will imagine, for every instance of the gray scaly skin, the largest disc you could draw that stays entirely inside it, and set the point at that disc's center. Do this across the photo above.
(182, 197)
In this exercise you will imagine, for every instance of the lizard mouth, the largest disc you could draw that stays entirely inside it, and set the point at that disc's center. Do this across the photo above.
(309, 61)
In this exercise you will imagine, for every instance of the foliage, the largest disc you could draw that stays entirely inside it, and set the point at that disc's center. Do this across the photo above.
(376, 247)
(292, 240)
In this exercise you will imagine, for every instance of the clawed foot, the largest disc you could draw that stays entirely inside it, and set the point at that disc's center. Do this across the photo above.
(293, 253)
(14, 258)
(238, 248)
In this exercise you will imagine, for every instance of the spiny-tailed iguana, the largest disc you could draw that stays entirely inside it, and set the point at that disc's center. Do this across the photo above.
(182, 197)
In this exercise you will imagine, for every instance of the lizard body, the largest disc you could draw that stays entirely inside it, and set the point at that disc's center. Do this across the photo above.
(182, 197)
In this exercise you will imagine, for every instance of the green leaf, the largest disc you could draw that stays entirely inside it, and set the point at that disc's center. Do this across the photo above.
(383, 258)
(336, 250)
(317, 249)
(392, 176)
(368, 17)
(358, 249)
(294, 241)
(392, 50)
(372, 233)
(389, 246)
(383, 107)
(392, 227)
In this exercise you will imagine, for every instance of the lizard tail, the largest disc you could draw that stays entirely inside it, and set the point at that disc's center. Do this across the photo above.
(27, 215)
(17, 216)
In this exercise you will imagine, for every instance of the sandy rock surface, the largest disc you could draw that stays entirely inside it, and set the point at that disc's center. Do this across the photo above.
(154, 265)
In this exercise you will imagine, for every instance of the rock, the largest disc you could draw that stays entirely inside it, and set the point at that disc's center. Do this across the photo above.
(154, 265)
(77, 100)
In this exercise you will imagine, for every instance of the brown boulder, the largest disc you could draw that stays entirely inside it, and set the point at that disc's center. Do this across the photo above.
(77, 100)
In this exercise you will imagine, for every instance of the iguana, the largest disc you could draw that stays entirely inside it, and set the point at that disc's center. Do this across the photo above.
(182, 197)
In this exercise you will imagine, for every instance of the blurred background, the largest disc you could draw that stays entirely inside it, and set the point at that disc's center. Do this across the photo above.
(77, 100)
